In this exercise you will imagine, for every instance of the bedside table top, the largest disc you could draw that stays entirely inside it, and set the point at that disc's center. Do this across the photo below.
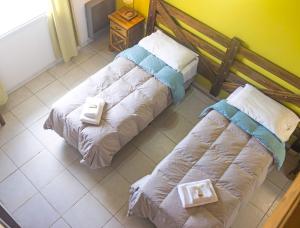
(117, 18)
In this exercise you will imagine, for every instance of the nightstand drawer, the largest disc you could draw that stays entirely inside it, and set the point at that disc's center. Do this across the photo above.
(117, 28)
(117, 42)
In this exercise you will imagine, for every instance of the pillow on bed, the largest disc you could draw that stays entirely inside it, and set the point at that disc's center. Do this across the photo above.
(168, 50)
(235, 93)
(269, 113)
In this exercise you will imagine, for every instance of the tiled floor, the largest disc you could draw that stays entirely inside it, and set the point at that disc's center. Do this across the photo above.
(42, 182)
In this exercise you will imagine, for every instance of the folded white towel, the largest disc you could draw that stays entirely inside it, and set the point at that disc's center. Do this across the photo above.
(92, 110)
(197, 193)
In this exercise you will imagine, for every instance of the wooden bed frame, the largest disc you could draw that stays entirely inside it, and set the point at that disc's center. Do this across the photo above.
(230, 59)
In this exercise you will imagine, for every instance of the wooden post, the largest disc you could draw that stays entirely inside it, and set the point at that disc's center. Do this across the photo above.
(151, 17)
(227, 63)
(2, 121)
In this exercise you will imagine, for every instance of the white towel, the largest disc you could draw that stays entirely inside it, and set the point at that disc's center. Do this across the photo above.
(92, 110)
(197, 193)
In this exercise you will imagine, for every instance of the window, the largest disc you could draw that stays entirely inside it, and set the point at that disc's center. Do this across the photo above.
(15, 13)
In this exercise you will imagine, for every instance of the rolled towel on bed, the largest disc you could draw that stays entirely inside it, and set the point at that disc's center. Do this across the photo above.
(92, 110)
(197, 193)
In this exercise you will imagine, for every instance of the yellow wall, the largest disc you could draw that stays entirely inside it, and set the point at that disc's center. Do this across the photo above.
(269, 27)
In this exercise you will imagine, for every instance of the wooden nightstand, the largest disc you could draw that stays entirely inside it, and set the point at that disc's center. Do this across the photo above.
(123, 33)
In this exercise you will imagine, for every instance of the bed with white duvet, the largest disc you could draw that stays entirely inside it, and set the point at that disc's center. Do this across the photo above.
(136, 87)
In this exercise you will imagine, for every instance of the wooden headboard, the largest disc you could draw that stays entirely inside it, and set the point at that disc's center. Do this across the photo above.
(226, 63)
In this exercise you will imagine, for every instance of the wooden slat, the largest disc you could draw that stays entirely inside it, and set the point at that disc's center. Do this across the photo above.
(204, 45)
(171, 17)
(256, 76)
(241, 67)
(246, 70)
(236, 79)
(224, 70)
(171, 23)
(151, 17)
(275, 94)
(271, 67)
(199, 26)
(196, 41)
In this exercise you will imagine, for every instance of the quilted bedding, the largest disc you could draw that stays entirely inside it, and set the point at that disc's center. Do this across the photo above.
(133, 99)
(215, 149)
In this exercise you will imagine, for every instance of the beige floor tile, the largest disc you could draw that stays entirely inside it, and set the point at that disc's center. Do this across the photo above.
(109, 55)
(22, 148)
(84, 54)
(101, 43)
(112, 192)
(113, 223)
(278, 178)
(42, 169)
(132, 221)
(94, 64)
(63, 192)
(248, 217)
(276, 202)
(264, 197)
(192, 105)
(87, 212)
(73, 78)
(40, 82)
(15, 190)
(87, 176)
(154, 144)
(17, 97)
(7, 167)
(135, 167)
(63, 152)
(173, 125)
(123, 154)
(12, 128)
(30, 111)
(36, 213)
(61, 69)
(60, 224)
(50, 94)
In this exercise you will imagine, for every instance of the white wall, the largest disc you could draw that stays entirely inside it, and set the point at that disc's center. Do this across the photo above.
(78, 9)
(24, 53)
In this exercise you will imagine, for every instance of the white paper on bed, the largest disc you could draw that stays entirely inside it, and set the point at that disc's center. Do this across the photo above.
(92, 110)
(272, 115)
(197, 193)
(168, 50)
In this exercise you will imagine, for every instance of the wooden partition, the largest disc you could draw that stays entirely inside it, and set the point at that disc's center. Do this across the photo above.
(223, 61)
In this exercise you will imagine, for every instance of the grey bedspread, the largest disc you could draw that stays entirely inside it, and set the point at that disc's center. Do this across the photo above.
(215, 149)
(133, 99)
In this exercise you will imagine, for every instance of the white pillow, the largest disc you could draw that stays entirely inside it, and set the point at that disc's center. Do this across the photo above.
(269, 113)
(235, 93)
(168, 50)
